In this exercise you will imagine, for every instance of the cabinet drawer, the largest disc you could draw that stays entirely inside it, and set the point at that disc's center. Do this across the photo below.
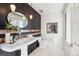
(33, 46)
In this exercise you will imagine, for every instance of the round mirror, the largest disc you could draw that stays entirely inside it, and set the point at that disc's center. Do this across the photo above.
(17, 19)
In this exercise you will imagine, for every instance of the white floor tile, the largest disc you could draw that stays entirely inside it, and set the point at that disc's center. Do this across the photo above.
(47, 52)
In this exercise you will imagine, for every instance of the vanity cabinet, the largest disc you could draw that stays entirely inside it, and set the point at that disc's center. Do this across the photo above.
(32, 47)
(20, 48)
(25, 51)
(15, 53)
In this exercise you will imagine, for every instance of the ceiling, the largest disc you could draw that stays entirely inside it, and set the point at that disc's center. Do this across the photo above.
(48, 7)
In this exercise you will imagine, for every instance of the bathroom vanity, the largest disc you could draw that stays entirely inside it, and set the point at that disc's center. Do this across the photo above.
(21, 47)
(15, 21)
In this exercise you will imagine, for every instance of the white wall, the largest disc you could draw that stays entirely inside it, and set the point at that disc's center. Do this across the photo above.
(68, 23)
(75, 22)
(57, 38)
(72, 29)
(51, 15)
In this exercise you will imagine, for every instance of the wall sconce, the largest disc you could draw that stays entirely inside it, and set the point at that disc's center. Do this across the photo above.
(31, 16)
(13, 7)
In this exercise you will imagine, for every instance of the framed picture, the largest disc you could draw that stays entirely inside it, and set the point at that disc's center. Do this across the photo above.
(52, 27)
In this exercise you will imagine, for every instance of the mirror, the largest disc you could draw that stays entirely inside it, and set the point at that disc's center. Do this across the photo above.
(17, 19)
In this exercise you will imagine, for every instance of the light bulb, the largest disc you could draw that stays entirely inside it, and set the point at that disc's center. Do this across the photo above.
(31, 16)
(13, 7)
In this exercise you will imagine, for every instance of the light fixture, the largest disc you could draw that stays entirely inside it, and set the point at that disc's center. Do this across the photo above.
(13, 7)
(31, 16)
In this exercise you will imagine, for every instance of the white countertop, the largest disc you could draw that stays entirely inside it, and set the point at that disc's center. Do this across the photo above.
(19, 44)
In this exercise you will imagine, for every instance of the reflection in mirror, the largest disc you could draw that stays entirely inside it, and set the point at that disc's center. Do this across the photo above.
(17, 19)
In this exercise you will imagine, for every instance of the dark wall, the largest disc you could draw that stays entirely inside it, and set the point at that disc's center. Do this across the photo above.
(4, 10)
(23, 8)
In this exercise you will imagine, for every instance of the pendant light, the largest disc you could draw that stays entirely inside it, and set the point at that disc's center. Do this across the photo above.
(31, 16)
(13, 7)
